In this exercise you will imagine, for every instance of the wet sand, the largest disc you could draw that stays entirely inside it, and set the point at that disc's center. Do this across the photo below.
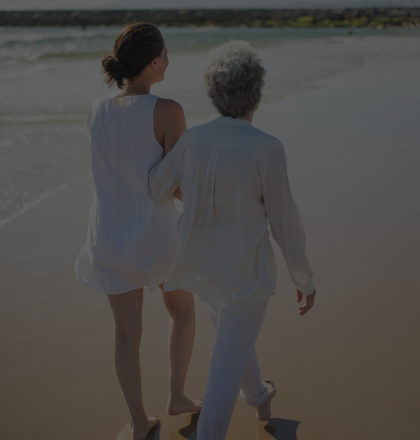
(347, 370)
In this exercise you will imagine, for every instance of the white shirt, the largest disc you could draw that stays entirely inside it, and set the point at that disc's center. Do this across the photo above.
(233, 179)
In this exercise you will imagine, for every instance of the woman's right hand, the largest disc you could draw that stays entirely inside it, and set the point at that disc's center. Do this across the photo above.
(310, 300)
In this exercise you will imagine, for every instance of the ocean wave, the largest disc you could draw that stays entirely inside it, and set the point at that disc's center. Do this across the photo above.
(35, 34)
(27, 119)
(28, 205)
(48, 37)
(32, 44)
(72, 55)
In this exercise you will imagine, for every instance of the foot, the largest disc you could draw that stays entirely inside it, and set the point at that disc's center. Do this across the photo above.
(263, 411)
(141, 432)
(184, 405)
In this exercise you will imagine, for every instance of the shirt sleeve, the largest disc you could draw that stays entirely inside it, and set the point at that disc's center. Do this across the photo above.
(285, 219)
(163, 180)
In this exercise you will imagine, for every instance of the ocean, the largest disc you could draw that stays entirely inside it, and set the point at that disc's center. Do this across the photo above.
(50, 77)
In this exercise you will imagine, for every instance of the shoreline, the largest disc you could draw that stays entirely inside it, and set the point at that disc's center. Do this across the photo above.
(193, 119)
(293, 78)
(304, 18)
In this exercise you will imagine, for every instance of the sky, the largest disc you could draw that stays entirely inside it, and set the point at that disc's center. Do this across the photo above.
(177, 4)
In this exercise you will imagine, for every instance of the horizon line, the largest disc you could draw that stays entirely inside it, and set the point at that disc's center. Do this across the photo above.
(211, 9)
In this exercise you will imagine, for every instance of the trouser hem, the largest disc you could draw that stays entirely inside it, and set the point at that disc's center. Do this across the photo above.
(256, 400)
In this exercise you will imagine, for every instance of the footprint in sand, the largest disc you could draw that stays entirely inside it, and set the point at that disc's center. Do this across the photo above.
(125, 433)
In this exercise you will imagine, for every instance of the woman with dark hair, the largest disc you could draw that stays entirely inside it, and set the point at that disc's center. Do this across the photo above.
(132, 240)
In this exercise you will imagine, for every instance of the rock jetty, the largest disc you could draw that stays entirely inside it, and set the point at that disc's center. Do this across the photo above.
(366, 17)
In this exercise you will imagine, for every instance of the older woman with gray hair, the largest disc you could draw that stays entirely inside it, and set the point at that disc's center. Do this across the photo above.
(233, 179)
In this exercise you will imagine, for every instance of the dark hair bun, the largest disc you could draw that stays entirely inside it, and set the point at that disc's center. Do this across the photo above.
(135, 48)
(114, 71)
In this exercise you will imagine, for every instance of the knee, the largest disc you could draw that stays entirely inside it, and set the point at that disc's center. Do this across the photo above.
(180, 309)
(183, 311)
(129, 331)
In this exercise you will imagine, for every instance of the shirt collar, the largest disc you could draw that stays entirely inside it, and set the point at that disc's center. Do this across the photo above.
(233, 121)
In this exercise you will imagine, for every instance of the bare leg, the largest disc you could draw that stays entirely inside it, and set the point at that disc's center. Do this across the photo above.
(127, 309)
(263, 411)
(180, 306)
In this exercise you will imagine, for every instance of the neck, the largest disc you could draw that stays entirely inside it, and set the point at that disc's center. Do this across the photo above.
(139, 85)
(137, 89)
(247, 117)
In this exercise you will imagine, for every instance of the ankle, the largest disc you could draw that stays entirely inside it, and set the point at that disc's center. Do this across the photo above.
(176, 397)
(139, 423)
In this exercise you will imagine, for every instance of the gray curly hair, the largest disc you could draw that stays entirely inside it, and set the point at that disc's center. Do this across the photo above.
(234, 77)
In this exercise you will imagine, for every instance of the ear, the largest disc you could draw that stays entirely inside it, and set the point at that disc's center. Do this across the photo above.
(154, 64)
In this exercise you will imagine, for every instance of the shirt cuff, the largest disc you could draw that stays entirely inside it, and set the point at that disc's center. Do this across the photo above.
(308, 289)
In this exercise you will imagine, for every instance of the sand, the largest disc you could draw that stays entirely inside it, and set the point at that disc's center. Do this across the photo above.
(347, 370)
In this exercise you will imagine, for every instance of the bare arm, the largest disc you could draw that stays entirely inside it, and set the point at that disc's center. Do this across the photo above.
(169, 124)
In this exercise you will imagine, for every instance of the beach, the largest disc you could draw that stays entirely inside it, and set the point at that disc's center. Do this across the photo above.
(348, 369)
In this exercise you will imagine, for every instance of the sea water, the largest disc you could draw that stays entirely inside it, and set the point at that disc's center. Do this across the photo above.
(50, 76)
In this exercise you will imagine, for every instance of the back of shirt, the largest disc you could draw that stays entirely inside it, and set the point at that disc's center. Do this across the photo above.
(125, 220)
(222, 193)
(233, 179)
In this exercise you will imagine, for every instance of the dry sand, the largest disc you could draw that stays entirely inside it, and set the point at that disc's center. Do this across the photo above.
(348, 370)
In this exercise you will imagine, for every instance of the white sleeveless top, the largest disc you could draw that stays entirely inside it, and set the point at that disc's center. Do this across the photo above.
(131, 240)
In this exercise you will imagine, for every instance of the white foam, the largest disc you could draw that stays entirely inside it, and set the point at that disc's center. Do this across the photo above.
(26, 207)
(25, 119)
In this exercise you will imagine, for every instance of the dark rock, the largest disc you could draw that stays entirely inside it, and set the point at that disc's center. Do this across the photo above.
(220, 17)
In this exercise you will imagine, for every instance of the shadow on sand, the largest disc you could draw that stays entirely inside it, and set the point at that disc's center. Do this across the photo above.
(188, 429)
(125, 433)
(279, 429)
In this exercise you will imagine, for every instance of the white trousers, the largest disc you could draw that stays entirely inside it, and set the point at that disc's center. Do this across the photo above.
(233, 368)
